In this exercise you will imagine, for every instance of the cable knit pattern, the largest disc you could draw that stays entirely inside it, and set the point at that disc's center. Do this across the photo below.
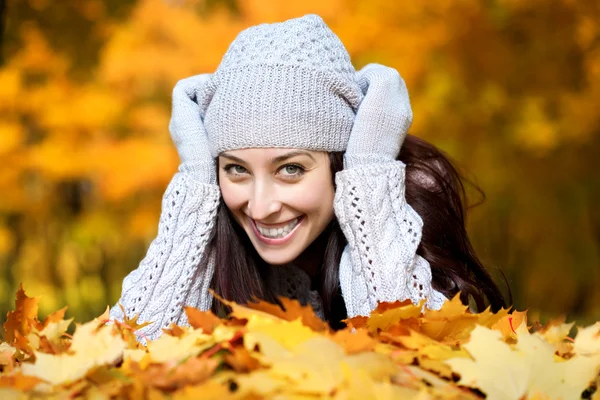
(381, 228)
(175, 270)
(383, 232)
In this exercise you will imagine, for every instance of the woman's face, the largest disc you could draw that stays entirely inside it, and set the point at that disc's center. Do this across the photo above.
(283, 198)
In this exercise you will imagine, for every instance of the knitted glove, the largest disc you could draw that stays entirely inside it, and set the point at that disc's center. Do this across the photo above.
(187, 130)
(383, 117)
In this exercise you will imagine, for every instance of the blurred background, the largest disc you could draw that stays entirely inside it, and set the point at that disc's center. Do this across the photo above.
(510, 89)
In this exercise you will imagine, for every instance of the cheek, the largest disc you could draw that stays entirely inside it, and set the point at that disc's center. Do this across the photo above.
(233, 196)
(317, 197)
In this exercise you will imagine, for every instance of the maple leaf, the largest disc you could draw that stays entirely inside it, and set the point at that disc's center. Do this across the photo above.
(104, 317)
(176, 348)
(392, 314)
(92, 346)
(354, 340)
(174, 330)
(133, 321)
(205, 320)
(286, 334)
(292, 309)
(55, 330)
(55, 317)
(243, 312)
(240, 360)
(509, 323)
(430, 353)
(22, 318)
(19, 381)
(170, 376)
(506, 373)
(587, 341)
(451, 324)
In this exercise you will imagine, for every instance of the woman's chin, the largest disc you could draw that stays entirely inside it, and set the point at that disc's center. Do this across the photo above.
(277, 257)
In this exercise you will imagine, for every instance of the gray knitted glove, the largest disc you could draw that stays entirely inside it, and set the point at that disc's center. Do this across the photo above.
(187, 130)
(383, 117)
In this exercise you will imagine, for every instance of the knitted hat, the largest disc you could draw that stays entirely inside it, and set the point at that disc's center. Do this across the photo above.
(289, 84)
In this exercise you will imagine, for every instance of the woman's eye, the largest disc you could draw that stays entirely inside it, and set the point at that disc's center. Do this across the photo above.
(235, 169)
(292, 170)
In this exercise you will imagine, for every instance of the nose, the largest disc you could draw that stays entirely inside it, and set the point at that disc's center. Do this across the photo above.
(263, 201)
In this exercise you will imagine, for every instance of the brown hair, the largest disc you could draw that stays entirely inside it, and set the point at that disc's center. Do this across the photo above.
(435, 190)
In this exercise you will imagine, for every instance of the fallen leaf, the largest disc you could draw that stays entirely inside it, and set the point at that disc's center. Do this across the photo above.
(169, 376)
(19, 381)
(292, 310)
(92, 346)
(205, 320)
(354, 340)
(587, 341)
(176, 348)
(22, 318)
(505, 373)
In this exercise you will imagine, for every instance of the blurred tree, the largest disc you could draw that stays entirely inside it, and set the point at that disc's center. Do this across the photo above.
(508, 88)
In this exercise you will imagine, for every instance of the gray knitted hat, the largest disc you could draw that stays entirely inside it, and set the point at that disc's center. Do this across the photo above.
(289, 84)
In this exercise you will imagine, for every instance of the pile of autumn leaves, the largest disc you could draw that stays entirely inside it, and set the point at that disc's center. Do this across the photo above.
(264, 352)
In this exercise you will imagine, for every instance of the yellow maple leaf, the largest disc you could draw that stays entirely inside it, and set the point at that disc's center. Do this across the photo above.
(382, 321)
(430, 353)
(587, 341)
(92, 346)
(292, 310)
(287, 333)
(506, 373)
(54, 331)
(508, 324)
(176, 348)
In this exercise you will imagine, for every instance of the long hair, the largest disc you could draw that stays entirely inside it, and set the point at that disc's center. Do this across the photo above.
(435, 190)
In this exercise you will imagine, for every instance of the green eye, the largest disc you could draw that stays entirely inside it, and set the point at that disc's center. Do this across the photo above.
(292, 170)
(235, 169)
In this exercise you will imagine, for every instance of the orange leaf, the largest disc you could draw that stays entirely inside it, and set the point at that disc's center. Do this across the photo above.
(205, 320)
(241, 360)
(356, 341)
(55, 316)
(19, 381)
(105, 316)
(191, 372)
(292, 310)
(133, 321)
(174, 330)
(22, 318)
(509, 324)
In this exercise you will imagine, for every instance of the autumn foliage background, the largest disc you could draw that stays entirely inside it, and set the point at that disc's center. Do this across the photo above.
(510, 89)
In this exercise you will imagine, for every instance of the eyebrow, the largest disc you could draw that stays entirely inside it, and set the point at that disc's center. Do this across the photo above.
(274, 160)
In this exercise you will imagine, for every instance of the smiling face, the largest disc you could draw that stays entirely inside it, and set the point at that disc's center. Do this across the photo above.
(283, 198)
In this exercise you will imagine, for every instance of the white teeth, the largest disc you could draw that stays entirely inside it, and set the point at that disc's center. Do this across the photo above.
(278, 233)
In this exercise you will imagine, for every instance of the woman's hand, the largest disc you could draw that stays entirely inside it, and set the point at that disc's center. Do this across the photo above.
(383, 117)
(187, 130)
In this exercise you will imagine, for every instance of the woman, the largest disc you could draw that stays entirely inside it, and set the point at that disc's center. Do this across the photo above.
(293, 183)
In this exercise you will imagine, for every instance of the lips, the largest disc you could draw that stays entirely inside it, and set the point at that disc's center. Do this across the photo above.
(279, 235)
